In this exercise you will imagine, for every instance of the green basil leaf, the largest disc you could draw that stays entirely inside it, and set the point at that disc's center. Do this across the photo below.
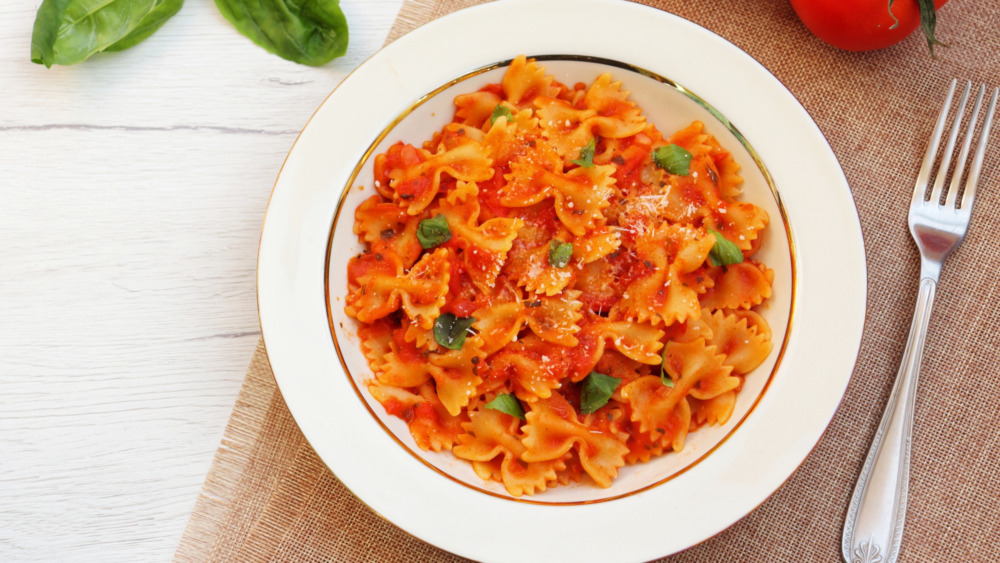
(501, 111)
(507, 404)
(724, 252)
(673, 159)
(450, 331)
(596, 391)
(71, 31)
(433, 232)
(560, 252)
(309, 32)
(586, 159)
(664, 376)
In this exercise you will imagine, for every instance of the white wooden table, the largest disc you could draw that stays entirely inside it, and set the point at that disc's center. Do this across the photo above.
(132, 190)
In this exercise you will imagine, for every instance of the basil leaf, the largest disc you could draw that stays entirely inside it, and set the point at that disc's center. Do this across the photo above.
(664, 376)
(597, 390)
(673, 159)
(560, 252)
(71, 31)
(501, 111)
(309, 32)
(724, 252)
(450, 331)
(507, 404)
(433, 232)
(586, 159)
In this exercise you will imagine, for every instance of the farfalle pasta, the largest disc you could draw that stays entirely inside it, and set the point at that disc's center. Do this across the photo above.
(552, 289)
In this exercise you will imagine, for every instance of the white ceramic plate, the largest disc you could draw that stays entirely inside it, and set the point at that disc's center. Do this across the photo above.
(676, 72)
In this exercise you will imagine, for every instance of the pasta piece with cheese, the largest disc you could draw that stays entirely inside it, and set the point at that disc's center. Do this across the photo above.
(455, 373)
(579, 195)
(484, 245)
(617, 117)
(552, 319)
(534, 368)
(378, 287)
(741, 223)
(415, 186)
(553, 429)
(380, 221)
(661, 296)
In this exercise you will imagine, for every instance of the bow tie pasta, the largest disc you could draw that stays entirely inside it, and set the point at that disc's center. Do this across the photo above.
(552, 288)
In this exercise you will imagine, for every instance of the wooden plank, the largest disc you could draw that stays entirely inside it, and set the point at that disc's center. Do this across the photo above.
(134, 189)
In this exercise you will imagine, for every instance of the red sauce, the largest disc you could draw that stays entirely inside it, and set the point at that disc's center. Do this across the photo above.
(460, 307)
(489, 195)
(407, 351)
(628, 175)
(494, 88)
(369, 263)
(425, 411)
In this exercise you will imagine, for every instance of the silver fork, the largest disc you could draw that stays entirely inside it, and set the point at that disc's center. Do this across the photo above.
(874, 526)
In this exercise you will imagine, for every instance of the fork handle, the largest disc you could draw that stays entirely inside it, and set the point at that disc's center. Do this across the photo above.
(874, 526)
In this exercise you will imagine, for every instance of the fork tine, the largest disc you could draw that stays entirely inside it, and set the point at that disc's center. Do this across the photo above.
(977, 160)
(949, 149)
(963, 153)
(920, 189)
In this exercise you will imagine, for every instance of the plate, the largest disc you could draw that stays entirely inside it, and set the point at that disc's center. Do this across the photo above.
(652, 510)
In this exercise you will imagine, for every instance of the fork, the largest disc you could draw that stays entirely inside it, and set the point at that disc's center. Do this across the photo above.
(873, 529)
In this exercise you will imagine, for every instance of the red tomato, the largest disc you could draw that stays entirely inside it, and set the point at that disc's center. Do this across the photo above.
(860, 25)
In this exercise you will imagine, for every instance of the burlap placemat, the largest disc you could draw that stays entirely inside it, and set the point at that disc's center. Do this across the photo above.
(269, 498)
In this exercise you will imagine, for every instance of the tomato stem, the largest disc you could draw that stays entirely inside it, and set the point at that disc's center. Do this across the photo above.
(894, 18)
(928, 20)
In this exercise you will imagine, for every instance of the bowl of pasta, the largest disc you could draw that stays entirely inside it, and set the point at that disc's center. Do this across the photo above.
(560, 284)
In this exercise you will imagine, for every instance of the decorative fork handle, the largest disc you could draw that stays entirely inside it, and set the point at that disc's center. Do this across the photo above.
(874, 526)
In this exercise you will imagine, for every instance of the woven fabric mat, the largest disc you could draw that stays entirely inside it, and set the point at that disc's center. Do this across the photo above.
(268, 497)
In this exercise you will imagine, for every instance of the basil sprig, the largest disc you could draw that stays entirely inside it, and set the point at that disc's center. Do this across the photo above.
(673, 159)
(507, 404)
(560, 252)
(596, 391)
(450, 331)
(724, 252)
(586, 159)
(433, 232)
(501, 111)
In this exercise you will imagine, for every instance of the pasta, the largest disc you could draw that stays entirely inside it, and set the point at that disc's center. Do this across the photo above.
(552, 289)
